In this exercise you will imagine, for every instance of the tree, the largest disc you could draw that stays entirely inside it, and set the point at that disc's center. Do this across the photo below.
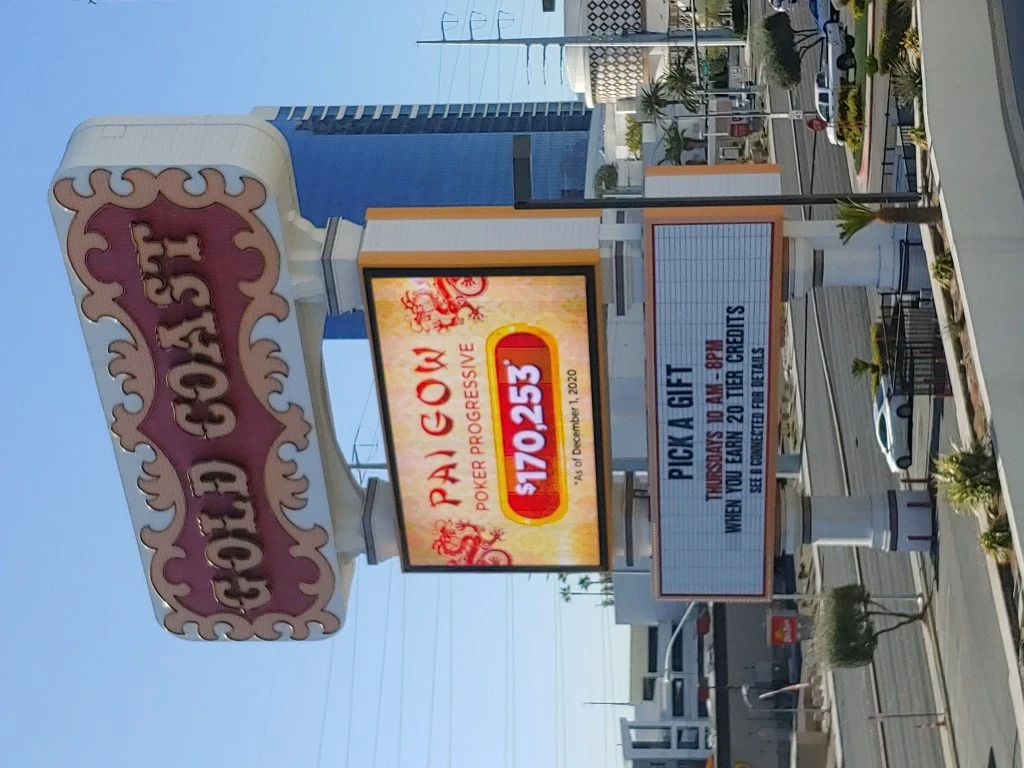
(605, 589)
(681, 81)
(653, 100)
(853, 217)
(784, 47)
(634, 137)
(606, 178)
(844, 627)
(863, 367)
(676, 142)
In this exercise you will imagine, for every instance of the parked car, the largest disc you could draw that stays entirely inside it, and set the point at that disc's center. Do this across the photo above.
(784, 5)
(823, 12)
(892, 414)
(835, 65)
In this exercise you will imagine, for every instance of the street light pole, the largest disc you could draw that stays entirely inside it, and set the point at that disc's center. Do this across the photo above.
(666, 671)
(745, 694)
(522, 188)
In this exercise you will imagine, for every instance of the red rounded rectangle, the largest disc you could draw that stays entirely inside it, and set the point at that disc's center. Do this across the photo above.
(527, 411)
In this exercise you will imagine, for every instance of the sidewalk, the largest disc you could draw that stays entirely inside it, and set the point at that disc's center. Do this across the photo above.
(967, 70)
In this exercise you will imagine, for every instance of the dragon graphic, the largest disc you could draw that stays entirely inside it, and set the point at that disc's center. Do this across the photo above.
(465, 543)
(437, 303)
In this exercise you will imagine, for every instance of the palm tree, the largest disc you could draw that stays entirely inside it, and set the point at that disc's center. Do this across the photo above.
(860, 368)
(673, 140)
(653, 100)
(853, 217)
(681, 81)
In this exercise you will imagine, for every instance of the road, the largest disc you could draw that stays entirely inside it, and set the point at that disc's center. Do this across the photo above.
(900, 662)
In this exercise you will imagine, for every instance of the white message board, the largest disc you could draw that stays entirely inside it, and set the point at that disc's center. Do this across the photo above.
(710, 368)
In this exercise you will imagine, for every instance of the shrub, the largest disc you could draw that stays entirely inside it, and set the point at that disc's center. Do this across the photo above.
(943, 270)
(912, 42)
(781, 60)
(906, 81)
(996, 540)
(850, 120)
(871, 66)
(634, 136)
(970, 476)
(895, 25)
(919, 136)
(858, 8)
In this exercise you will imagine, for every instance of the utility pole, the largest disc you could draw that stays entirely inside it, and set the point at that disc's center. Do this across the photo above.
(705, 38)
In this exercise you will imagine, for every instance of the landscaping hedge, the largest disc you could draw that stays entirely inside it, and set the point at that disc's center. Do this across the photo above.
(895, 25)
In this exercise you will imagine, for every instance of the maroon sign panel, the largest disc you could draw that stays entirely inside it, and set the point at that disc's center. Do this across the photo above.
(188, 276)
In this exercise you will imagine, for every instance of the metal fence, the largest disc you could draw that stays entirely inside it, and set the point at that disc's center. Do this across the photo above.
(911, 341)
(911, 346)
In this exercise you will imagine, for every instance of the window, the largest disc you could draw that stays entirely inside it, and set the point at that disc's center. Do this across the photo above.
(677, 651)
(820, 80)
(678, 698)
(350, 111)
(688, 738)
(650, 686)
(651, 737)
(652, 650)
(492, 110)
(883, 431)
(405, 110)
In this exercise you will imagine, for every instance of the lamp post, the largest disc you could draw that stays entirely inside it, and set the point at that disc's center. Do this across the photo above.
(745, 694)
(522, 188)
(666, 670)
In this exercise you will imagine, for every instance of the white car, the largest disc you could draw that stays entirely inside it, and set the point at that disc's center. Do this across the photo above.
(892, 414)
(838, 60)
(783, 5)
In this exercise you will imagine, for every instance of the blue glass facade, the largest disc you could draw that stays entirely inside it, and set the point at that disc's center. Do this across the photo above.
(348, 159)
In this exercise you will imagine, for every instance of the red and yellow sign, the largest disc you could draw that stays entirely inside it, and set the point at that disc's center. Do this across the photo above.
(491, 397)
(783, 630)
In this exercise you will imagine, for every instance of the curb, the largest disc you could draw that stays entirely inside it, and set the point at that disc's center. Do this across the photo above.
(864, 172)
(938, 677)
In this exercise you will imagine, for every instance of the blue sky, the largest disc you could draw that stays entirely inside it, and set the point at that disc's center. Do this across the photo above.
(422, 674)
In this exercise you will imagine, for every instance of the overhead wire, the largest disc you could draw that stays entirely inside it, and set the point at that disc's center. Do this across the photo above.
(383, 667)
(352, 671)
(327, 698)
(401, 677)
(451, 671)
(434, 676)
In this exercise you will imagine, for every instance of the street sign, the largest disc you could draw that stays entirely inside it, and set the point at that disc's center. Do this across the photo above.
(816, 124)
(739, 130)
(783, 630)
